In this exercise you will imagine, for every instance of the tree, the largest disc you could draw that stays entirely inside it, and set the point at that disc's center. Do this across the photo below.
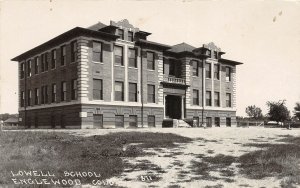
(254, 112)
(278, 111)
(297, 110)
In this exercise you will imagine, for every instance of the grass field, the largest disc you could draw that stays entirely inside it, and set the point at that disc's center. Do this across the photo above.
(170, 157)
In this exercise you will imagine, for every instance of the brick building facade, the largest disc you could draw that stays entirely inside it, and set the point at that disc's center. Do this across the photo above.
(110, 76)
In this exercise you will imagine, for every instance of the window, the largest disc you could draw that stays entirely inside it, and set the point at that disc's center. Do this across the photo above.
(217, 121)
(28, 97)
(130, 36)
(42, 62)
(53, 93)
(97, 120)
(228, 100)
(228, 74)
(132, 92)
(208, 70)
(228, 122)
(217, 72)
(119, 121)
(22, 98)
(62, 121)
(46, 61)
(63, 91)
(118, 51)
(217, 98)
(97, 89)
(44, 95)
(208, 53)
(97, 51)
(151, 93)
(63, 55)
(36, 121)
(22, 67)
(150, 61)
(28, 68)
(52, 121)
(215, 55)
(132, 121)
(119, 91)
(53, 59)
(132, 58)
(195, 65)
(208, 98)
(195, 97)
(120, 33)
(196, 121)
(36, 96)
(208, 121)
(73, 51)
(151, 121)
(36, 65)
(74, 90)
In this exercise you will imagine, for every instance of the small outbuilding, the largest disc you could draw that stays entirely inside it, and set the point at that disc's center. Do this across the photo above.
(12, 121)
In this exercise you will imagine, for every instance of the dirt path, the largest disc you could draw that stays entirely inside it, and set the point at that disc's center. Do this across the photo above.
(186, 165)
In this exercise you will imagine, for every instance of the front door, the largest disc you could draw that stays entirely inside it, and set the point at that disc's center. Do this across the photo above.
(173, 107)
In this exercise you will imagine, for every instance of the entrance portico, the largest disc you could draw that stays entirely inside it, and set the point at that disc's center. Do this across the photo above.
(173, 106)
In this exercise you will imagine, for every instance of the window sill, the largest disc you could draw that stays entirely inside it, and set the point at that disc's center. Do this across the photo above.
(151, 70)
(97, 62)
(98, 100)
(119, 66)
(133, 68)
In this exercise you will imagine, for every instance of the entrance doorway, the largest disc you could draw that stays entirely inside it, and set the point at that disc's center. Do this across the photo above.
(173, 107)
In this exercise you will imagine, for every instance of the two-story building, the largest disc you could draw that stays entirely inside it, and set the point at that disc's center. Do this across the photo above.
(111, 76)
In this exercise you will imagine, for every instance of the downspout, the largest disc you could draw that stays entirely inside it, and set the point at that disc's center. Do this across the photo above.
(203, 80)
(25, 94)
(142, 90)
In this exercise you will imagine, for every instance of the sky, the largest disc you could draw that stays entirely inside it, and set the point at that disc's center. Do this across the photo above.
(264, 35)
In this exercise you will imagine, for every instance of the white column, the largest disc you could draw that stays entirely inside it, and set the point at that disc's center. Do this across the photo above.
(182, 107)
(125, 59)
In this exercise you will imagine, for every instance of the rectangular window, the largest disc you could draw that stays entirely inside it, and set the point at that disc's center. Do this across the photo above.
(228, 100)
(208, 53)
(36, 65)
(150, 61)
(196, 121)
(36, 96)
(151, 121)
(151, 93)
(42, 62)
(228, 122)
(98, 121)
(53, 59)
(42, 95)
(130, 36)
(73, 51)
(217, 72)
(217, 121)
(132, 121)
(74, 89)
(208, 121)
(28, 68)
(46, 61)
(217, 98)
(208, 70)
(63, 58)
(120, 33)
(53, 93)
(195, 97)
(228, 74)
(132, 58)
(22, 69)
(119, 121)
(28, 97)
(97, 89)
(132, 92)
(63, 91)
(118, 51)
(215, 55)
(208, 98)
(22, 98)
(195, 65)
(119, 91)
(97, 51)
(46, 94)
